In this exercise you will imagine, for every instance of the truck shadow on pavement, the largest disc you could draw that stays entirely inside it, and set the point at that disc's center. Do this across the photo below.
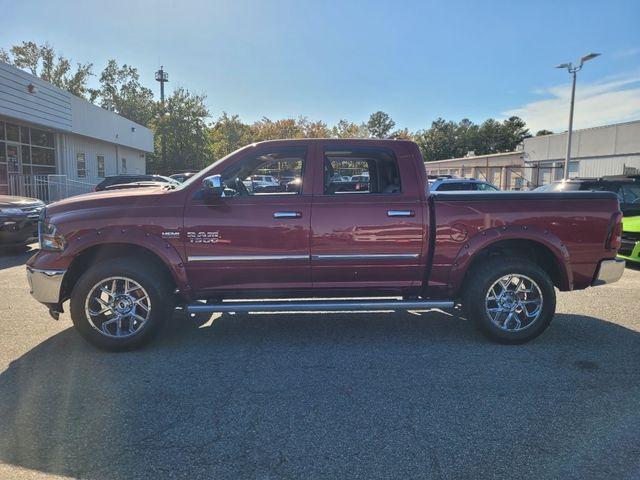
(332, 396)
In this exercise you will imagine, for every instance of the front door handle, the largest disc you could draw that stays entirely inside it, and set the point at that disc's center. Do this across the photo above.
(287, 214)
(400, 213)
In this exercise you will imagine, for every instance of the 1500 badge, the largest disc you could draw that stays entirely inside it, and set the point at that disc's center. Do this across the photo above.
(203, 237)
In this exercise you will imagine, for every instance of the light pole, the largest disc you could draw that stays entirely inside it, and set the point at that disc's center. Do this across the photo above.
(573, 70)
(162, 77)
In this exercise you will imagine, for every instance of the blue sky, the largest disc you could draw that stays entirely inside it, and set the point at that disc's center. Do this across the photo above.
(327, 60)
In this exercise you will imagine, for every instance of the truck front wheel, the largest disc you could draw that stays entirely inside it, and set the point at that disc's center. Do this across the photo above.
(510, 299)
(120, 304)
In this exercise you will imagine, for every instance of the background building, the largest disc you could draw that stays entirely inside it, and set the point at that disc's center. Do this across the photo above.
(504, 170)
(595, 152)
(54, 144)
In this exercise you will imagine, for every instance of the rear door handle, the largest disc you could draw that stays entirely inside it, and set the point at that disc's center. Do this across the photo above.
(287, 214)
(400, 213)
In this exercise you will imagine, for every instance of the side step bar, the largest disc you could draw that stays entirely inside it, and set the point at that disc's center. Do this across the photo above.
(316, 305)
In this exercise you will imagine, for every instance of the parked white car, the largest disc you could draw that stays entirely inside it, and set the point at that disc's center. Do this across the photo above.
(264, 183)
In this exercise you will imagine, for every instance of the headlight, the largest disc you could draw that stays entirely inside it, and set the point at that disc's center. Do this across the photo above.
(50, 238)
(11, 211)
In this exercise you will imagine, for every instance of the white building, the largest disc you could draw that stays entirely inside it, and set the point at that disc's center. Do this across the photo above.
(504, 170)
(595, 152)
(54, 144)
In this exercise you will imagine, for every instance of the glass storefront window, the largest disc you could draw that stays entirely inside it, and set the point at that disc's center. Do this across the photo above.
(26, 154)
(24, 151)
(24, 135)
(40, 170)
(42, 156)
(13, 132)
(41, 138)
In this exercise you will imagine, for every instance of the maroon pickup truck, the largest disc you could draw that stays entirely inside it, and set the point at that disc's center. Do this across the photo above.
(126, 258)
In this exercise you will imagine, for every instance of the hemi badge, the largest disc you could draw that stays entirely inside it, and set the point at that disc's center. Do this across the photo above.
(170, 234)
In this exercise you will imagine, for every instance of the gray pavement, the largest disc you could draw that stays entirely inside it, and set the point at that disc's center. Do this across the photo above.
(354, 395)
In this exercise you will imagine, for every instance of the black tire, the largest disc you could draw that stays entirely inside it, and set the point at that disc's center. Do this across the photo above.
(155, 284)
(477, 300)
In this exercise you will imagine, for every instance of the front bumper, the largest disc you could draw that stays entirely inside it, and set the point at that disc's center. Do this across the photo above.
(609, 271)
(45, 285)
(17, 231)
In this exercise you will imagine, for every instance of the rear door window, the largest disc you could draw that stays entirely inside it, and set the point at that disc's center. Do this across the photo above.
(369, 170)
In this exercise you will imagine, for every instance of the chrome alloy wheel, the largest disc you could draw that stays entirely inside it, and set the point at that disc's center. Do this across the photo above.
(514, 302)
(117, 307)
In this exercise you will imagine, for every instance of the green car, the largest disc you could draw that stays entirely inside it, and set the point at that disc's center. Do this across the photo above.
(630, 248)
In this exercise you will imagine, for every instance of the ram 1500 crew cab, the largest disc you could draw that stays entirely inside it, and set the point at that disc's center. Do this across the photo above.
(126, 258)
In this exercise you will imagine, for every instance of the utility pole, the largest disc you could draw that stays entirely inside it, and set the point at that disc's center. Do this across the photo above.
(573, 70)
(162, 77)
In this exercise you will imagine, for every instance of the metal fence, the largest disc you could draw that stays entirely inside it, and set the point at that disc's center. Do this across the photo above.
(48, 188)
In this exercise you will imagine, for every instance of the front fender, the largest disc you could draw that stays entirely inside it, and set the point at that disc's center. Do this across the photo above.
(166, 250)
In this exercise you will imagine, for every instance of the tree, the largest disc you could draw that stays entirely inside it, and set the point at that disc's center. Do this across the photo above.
(540, 133)
(267, 129)
(42, 61)
(380, 125)
(228, 134)
(313, 129)
(121, 92)
(514, 131)
(182, 123)
(448, 139)
(347, 129)
(402, 134)
(439, 141)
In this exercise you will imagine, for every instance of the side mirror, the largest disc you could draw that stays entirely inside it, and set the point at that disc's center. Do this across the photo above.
(213, 185)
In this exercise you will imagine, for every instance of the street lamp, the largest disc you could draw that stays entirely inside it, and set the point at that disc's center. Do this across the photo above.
(162, 77)
(573, 70)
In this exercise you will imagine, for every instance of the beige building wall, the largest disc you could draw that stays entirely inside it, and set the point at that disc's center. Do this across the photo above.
(595, 152)
(504, 170)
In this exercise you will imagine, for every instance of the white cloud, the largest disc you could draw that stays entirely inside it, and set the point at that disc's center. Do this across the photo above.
(630, 52)
(616, 99)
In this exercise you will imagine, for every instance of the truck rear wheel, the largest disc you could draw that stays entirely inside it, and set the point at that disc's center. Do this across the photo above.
(120, 304)
(510, 299)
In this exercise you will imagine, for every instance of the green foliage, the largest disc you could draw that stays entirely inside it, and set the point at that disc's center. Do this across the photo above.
(347, 129)
(267, 129)
(380, 125)
(121, 91)
(228, 134)
(310, 129)
(181, 122)
(540, 133)
(42, 61)
(448, 139)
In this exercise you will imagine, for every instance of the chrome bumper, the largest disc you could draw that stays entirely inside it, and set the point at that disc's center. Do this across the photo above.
(45, 285)
(609, 271)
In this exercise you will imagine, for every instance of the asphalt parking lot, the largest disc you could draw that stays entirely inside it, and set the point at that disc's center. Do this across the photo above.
(344, 395)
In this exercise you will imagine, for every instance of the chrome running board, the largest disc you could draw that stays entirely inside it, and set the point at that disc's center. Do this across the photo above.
(316, 306)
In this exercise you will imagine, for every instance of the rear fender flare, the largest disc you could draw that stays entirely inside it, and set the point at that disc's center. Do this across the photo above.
(484, 239)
